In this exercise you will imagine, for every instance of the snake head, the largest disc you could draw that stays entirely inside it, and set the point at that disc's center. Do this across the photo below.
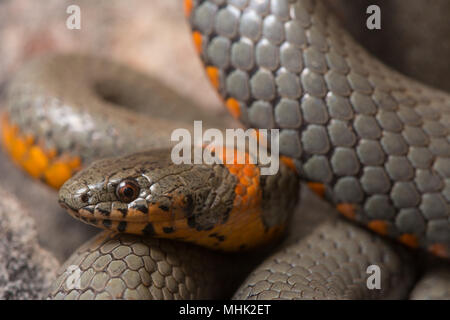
(145, 193)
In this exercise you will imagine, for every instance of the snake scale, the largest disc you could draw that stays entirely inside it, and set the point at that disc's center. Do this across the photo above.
(368, 140)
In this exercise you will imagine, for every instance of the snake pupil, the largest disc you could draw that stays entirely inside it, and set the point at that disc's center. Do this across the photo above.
(127, 191)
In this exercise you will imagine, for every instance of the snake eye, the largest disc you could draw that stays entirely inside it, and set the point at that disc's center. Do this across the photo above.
(127, 191)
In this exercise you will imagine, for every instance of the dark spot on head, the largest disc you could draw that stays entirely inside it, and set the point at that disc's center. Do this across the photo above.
(168, 230)
(142, 208)
(217, 236)
(191, 222)
(122, 226)
(91, 209)
(189, 208)
(84, 197)
(103, 212)
(242, 247)
(123, 211)
(148, 230)
(107, 223)
(164, 208)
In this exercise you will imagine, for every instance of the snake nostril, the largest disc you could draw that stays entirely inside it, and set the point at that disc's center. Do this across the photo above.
(84, 197)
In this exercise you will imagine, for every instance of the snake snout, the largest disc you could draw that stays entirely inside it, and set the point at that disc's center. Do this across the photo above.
(73, 196)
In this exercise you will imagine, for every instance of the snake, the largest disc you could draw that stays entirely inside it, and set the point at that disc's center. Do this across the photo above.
(358, 134)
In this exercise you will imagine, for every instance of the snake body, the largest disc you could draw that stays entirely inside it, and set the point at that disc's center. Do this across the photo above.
(367, 139)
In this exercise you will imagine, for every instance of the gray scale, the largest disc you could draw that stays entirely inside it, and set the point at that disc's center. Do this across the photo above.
(405, 195)
(379, 207)
(227, 21)
(290, 144)
(344, 162)
(263, 85)
(291, 58)
(367, 127)
(287, 114)
(315, 60)
(348, 189)
(339, 107)
(316, 39)
(300, 14)
(428, 181)
(314, 110)
(318, 169)
(251, 25)
(341, 134)
(420, 158)
(337, 62)
(427, 112)
(399, 168)
(219, 52)
(280, 8)
(442, 166)
(410, 220)
(440, 147)
(288, 85)
(375, 180)
(337, 83)
(238, 86)
(273, 29)
(262, 7)
(408, 116)
(204, 17)
(315, 140)
(438, 230)
(260, 115)
(433, 206)
(370, 153)
(363, 104)
(242, 55)
(267, 55)
(313, 83)
(394, 144)
(384, 100)
(295, 34)
(415, 136)
(240, 4)
(359, 83)
(434, 129)
(389, 121)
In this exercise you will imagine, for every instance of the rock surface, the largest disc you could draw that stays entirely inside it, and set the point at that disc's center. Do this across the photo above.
(26, 270)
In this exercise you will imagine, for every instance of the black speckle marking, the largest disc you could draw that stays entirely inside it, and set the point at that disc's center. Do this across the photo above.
(149, 230)
(93, 221)
(123, 211)
(122, 226)
(242, 247)
(189, 208)
(168, 229)
(142, 209)
(103, 212)
(107, 223)
(191, 222)
(217, 236)
(164, 208)
(84, 198)
(89, 209)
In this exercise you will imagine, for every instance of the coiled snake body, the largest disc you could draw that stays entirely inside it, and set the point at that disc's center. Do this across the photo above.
(370, 141)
